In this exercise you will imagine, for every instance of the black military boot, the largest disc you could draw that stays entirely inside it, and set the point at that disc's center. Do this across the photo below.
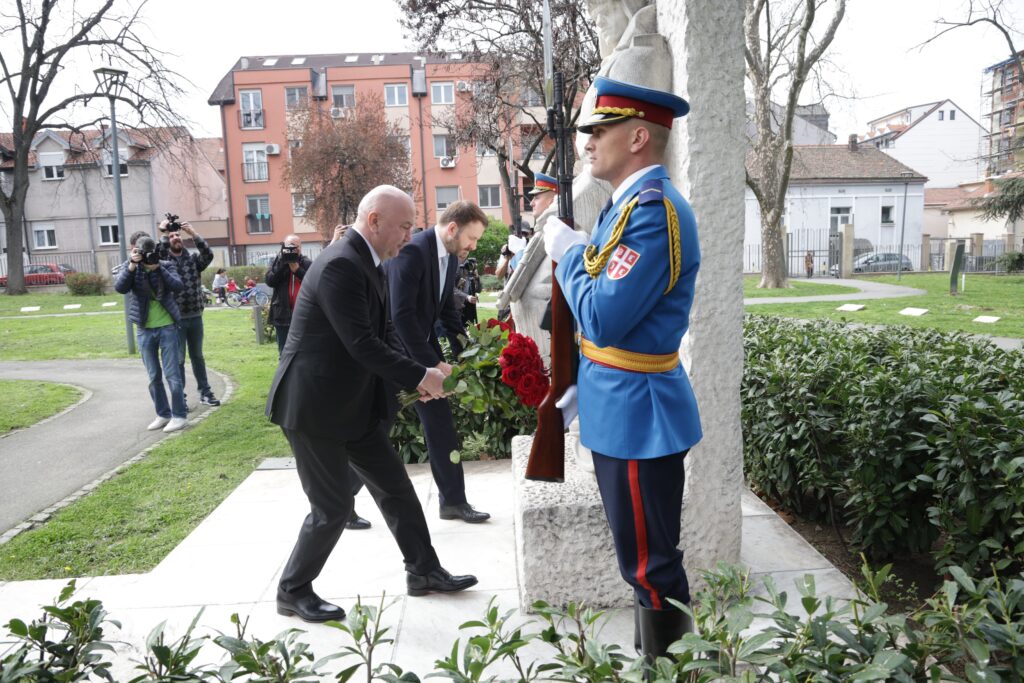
(659, 628)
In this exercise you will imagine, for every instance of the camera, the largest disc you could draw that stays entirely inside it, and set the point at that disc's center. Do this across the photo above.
(470, 265)
(147, 247)
(289, 253)
(173, 224)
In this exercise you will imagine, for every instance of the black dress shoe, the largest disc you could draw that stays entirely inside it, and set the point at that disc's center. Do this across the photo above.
(308, 607)
(437, 581)
(357, 523)
(465, 512)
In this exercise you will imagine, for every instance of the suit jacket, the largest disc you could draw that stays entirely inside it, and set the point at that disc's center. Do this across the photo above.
(414, 279)
(332, 380)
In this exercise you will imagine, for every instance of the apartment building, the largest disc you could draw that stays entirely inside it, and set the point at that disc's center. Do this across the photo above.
(260, 97)
(938, 139)
(1003, 107)
(70, 214)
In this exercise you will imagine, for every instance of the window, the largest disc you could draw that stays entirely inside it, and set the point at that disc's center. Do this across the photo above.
(350, 59)
(298, 61)
(447, 195)
(296, 98)
(109, 234)
(300, 203)
(52, 164)
(444, 146)
(840, 215)
(483, 150)
(887, 212)
(532, 98)
(490, 196)
(442, 93)
(292, 146)
(343, 95)
(952, 114)
(258, 218)
(396, 94)
(108, 165)
(404, 141)
(251, 109)
(270, 61)
(44, 237)
(254, 162)
(942, 115)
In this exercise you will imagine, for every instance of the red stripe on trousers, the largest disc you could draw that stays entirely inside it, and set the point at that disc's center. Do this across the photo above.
(640, 524)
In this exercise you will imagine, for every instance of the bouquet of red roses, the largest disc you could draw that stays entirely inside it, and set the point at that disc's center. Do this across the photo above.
(523, 370)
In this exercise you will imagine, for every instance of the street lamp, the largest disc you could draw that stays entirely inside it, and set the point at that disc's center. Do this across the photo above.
(112, 82)
(906, 175)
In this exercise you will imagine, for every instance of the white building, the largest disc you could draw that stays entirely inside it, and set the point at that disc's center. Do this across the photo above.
(938, 139)
(831, 185)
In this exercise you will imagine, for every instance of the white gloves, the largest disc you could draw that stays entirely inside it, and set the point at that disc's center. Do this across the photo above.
(567, 404)
(558, 237)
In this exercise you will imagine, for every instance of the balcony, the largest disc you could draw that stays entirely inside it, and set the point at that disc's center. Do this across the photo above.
(258, 223)
(250, 119)
(255, 172)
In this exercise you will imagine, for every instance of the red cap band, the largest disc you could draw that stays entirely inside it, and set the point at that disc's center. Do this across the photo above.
(651, 112)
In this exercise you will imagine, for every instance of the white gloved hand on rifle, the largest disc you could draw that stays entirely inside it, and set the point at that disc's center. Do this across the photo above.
(558, 237)
(567, 404)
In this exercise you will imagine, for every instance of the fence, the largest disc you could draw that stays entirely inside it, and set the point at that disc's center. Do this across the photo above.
(67, 261)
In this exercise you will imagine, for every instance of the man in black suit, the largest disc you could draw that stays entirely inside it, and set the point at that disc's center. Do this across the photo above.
(331, 400)
(421, 279)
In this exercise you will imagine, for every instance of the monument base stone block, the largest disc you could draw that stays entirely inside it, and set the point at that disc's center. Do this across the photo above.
(564, 549)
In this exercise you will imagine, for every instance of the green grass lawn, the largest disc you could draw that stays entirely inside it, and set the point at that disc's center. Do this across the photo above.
(54, 303)
(27, 402)
(133, 520)
(796, 288)
(996, 295)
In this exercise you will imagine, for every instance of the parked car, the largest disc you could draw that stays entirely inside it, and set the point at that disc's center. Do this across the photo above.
(43, 274)
(877, 263)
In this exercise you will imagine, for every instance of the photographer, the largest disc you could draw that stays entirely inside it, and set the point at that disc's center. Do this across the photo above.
(191, 300)
(152, 284)
(285, 276)
(467, 286)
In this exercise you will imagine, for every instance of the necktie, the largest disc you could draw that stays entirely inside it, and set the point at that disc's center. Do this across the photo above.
(444, 275)
(380, 274)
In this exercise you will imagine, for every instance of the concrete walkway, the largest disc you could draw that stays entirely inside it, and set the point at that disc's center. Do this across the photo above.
(231, 563)
(869, 289)
(49, 461)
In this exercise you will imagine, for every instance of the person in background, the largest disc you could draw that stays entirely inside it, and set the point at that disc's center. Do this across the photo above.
(285, 277)
(219, 286)
(809, 264)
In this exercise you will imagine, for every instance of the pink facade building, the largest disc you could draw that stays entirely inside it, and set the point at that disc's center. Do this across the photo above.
(259, 95)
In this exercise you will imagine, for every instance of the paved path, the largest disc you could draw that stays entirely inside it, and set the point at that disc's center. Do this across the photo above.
(869, 290)
(51, 460)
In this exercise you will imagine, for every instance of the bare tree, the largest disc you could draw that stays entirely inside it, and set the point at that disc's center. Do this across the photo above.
(505, 37)
(341, 159)
(42, 41)
(781, 54)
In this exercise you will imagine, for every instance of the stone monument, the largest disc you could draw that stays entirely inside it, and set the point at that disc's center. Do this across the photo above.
(694, 48)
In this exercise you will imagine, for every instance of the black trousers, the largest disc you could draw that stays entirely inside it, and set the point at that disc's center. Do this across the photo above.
(439, 433)
(643, 500)
(323, 466)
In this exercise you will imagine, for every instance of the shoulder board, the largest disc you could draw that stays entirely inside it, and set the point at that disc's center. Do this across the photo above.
(651, 191)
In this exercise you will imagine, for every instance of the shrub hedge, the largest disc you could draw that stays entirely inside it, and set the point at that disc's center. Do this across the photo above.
(86, 284)
(914, 438)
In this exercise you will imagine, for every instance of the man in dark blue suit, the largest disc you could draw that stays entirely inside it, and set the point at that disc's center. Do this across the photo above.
(421, 279)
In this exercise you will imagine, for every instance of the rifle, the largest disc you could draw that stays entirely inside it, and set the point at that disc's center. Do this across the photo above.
(547, 454)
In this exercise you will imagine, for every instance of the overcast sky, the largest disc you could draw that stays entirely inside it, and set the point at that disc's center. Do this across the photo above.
(874, 46)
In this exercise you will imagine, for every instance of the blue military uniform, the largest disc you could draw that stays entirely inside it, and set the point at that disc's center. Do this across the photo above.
(630, 291)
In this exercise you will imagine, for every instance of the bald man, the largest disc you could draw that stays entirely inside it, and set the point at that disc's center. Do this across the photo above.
(330, 398)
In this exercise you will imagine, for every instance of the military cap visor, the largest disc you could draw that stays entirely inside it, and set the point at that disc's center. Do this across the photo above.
(542, 183)
(618, 101)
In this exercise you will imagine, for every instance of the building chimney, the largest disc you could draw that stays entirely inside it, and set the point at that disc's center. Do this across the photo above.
(853, 142)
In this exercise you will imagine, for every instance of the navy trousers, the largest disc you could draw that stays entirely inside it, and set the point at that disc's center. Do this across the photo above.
(643, 500)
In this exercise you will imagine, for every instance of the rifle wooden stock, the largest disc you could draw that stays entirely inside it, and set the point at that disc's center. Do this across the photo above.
(547, 454)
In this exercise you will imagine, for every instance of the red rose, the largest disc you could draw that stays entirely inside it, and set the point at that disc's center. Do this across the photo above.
(492, 322)
(511, 375)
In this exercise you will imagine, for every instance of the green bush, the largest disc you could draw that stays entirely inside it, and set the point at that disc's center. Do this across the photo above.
(488, 249)
(1011, 262)
(490, 283)
(907, 436)
(86, 284)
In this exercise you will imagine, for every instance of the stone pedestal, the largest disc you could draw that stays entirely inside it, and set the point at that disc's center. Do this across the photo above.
(564, 549)
(846, 258)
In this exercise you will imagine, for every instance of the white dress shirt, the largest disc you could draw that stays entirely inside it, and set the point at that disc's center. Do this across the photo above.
(442, 261)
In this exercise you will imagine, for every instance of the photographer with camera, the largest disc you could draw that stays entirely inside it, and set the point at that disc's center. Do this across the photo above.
(191, 299)
(152, 284)
(285, 276)
(467, 286)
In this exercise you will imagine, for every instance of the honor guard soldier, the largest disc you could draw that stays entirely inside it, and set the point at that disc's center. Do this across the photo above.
(630, 290)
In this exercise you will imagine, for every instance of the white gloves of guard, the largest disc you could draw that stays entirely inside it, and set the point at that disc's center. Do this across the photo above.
(568, 405)
(558, 237)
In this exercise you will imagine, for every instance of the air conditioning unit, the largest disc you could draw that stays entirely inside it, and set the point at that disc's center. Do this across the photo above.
(447, 162)
(339, 112)
(464, 86)
(273, 149)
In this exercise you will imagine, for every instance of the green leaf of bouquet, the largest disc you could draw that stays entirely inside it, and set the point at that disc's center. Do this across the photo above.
(456, 457)
(450, 383)
(461, 387)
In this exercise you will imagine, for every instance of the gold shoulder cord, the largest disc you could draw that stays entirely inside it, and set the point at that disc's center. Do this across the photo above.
(594, 262)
